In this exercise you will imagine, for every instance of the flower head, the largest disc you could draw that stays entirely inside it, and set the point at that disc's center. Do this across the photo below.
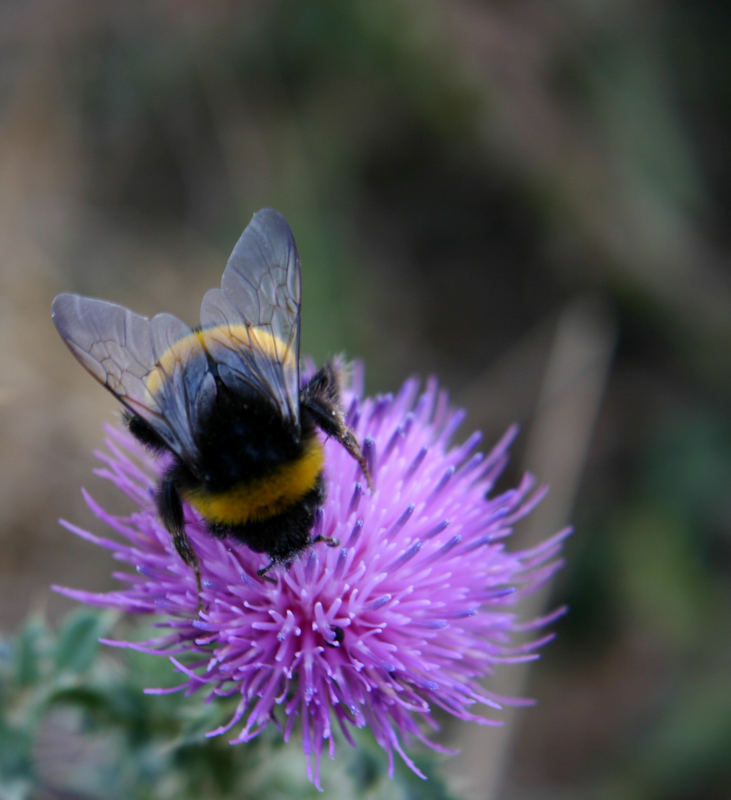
(407, 614)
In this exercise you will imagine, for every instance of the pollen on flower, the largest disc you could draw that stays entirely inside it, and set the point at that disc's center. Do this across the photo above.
(408, 614)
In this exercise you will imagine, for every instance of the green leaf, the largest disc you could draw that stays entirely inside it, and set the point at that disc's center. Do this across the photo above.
(365, 769)
(28, 652)
(16, 764)
(78, 641)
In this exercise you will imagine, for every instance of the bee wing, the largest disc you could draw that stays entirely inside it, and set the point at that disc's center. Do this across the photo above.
(259, 304)
(121, 348)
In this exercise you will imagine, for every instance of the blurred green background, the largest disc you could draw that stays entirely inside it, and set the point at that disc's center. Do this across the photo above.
(526, 199)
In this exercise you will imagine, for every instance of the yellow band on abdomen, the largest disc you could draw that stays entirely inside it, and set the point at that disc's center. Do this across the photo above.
(264, 497)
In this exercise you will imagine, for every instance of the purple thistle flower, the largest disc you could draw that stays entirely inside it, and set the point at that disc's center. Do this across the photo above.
(408, 613)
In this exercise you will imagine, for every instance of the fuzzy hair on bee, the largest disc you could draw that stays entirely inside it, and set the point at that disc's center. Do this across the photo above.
(224, 398)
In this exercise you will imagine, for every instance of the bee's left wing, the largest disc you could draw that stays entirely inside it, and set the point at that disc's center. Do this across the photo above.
(258, 309)
(123, 351)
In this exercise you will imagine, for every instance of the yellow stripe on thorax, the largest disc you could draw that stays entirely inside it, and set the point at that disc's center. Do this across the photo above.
(264, 497)
(197, 343)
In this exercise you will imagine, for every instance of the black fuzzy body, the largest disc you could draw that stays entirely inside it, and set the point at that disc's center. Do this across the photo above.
(240, 441)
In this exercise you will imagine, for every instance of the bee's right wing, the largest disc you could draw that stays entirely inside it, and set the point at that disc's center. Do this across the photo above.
(257, 309)
(121, 348)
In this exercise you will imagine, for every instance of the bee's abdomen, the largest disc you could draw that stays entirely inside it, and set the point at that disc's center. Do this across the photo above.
(262, 498)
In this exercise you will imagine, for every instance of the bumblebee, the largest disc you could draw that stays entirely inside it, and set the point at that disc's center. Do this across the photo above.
(224, 399)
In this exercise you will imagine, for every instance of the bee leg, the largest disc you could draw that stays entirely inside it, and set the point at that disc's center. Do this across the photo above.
(321, 398)
(144, 432)
(170, 508)
(262, 573)
(328, 540)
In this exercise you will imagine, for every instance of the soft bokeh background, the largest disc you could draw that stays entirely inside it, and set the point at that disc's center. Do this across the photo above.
(526, 199)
